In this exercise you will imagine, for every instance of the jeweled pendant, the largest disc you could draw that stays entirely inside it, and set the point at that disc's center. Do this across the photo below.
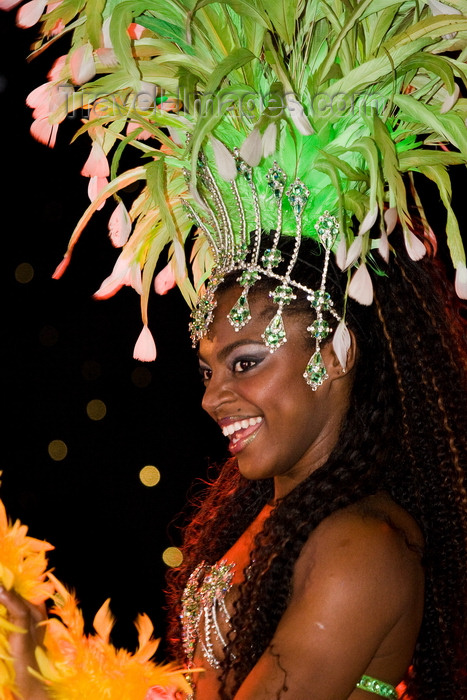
(327, 227)
(282, 294)
(298, 195)
(201, 316)
(319, 328)
(239, 315)
(271, 257)
(276, 179)
(240, 252)
(274, 336)
(320, 299)
(315, 372)
(248, 278)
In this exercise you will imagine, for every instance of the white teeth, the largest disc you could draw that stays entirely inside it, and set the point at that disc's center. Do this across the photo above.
(241, 425)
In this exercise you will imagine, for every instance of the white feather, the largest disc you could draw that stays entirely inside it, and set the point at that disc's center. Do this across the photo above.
(414, 246)
(390, 219)
(251, 149)
(461, 281)
(145, 348)
(225, 162)
(383, 247)
(368, 221)
(119, 226)
(341, 254)
(341, 343)
(361, 286)
(298, 115)
(269, 140)
(354, 251)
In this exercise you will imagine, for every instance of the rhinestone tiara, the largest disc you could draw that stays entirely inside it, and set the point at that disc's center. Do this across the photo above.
(240, 251)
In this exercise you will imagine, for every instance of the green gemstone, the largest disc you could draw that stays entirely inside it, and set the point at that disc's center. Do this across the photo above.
(315, 372)
(244, 169)
(274, 336)
(319, 299)
(298, 196)
(239, 315)
(327, 228)
(240, 252)
(271, 257)
(319, 328)
(282, 294)
(377, 687)
(276, 179)
(248, 277)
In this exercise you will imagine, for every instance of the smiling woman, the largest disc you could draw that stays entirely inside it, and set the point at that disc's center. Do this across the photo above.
(330, 544)
(293, 429)
(328, 557)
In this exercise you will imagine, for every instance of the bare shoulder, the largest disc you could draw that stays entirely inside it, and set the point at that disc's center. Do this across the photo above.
(355, 607)
(373, 542)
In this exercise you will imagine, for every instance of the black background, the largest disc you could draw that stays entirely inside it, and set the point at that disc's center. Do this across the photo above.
(62, 349)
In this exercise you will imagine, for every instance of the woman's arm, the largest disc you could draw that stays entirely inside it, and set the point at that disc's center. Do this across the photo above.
(23, 644)
(355, 609)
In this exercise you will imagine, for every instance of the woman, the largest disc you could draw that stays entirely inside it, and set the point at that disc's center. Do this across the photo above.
(335, 535)
(342, 512)
(328, 559)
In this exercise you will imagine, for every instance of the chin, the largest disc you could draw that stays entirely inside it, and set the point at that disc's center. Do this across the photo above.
(253, 472)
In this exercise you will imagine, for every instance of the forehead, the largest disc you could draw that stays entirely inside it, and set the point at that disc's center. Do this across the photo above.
(221, 333)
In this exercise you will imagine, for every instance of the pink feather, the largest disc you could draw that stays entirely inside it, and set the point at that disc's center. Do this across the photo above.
(361, 286)
(145, 348)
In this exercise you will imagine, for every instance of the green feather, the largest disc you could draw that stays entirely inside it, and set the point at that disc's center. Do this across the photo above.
(371, 78)
(438, 174)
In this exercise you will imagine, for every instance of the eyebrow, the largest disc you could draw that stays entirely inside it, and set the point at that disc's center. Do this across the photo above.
(225, 352)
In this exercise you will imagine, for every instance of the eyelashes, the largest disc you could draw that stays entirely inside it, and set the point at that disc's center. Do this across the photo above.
(239, 365)
(205, 374)
(244, 364)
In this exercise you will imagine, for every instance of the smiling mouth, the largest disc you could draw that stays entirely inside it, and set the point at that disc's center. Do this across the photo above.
(242, 432)
(241, 425)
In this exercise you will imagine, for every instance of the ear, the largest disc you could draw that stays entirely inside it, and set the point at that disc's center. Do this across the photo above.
(332, 363)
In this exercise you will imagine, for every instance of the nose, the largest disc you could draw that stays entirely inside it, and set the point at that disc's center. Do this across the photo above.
(218, 394)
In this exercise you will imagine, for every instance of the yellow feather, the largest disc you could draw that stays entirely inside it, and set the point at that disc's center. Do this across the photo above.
(104, 621)
(77, 665)
(23, 569)
(73, 665)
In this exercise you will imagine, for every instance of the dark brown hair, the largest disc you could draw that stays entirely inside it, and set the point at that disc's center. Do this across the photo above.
(405, 433)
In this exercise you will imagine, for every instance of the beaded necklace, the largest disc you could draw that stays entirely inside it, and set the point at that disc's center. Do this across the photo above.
(203, 600)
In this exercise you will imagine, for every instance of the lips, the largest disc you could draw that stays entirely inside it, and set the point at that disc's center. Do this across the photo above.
(241, 432)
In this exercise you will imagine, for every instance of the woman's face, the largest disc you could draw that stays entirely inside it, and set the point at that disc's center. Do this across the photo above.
(277, 426)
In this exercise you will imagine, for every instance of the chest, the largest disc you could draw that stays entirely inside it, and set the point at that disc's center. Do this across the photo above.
(209, 597)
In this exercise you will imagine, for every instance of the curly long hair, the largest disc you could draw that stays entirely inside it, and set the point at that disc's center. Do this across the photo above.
(405, 433)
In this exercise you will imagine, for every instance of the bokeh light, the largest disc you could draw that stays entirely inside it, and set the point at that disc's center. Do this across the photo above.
(48, 336)
(24, 273)
(141, 377)
(149, 475)
(57, 450)
(96, 409)
(91, 370)
(172, 556)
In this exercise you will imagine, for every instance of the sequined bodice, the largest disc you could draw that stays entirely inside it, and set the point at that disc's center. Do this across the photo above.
(203, 603)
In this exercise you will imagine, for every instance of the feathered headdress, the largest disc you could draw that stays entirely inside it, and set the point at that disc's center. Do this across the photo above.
(347, 99)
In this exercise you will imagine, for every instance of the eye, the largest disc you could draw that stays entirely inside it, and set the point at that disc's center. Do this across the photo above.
(205, 373)
(243, 364)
